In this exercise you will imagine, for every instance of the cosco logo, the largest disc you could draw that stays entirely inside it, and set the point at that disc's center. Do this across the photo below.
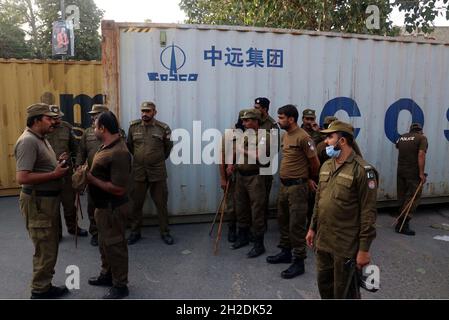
(172, 58)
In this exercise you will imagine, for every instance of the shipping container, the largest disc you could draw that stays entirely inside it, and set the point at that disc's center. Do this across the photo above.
(74, 85)
(208, 73)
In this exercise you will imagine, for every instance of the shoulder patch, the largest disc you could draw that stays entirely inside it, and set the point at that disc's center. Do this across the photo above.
(311, 145)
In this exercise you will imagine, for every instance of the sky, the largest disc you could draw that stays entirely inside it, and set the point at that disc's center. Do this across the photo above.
(168, 11)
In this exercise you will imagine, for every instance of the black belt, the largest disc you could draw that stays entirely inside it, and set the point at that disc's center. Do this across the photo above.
(249, 173)
(41, 193)
(293, 182)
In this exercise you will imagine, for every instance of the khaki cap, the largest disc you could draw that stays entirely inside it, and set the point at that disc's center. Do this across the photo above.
(147, 105)
(56, 109)
(329, 119)
(38, 109)
(242, 112)
(309, 113)
(339, 126)
(98, 108)
(251, 114)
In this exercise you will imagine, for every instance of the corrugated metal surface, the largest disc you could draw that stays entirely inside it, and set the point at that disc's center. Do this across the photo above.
(316, 69)
(74, 85)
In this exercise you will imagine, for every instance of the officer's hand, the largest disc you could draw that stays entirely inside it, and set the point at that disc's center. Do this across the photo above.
(230, 170)
(423, 178)
(61, 170)
(363, 258)
(223, 184)
(63, 156)
(312, 185)
(310, 237)
(89, 177)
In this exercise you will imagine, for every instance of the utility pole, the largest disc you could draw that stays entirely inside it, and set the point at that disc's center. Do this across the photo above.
(63, 19)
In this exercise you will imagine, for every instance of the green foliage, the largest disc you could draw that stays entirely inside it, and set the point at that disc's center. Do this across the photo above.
(87, 38)
(323, 15)
(28, 32)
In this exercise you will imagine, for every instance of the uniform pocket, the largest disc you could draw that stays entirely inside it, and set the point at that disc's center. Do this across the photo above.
(343, 188)
(41, 213)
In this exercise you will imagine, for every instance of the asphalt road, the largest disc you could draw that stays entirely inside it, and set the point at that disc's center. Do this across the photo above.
(410, 267)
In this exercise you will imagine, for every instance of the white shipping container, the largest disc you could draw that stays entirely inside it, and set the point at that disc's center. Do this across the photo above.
(208, 73)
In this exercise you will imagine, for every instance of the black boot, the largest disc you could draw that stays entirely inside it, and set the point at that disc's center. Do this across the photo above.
(285, 256)
(133, 238)
(167, 238)
(232, 233)
(405, 228)
(258, 248)
(94, 240)
(101, 280)
(295, 269)
(242, 238)
(52, 293)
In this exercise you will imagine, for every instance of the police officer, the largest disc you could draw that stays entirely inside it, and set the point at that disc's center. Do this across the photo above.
(228, 149)
(88, 146)
(311, 127)
(298, 166)
(412, 147)
(321, 147)
(267, 123)
(63, 140)
(308, 119)
(149, 142)
(40, 174)
(108, 182)
(344, 215)
(250, 194)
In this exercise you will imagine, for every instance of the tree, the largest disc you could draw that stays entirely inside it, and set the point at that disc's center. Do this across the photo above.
(26, 28)
(87, 38)
(319, 15)
(12, 37)
(420, 14)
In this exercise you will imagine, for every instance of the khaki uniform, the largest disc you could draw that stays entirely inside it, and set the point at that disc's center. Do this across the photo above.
(39, 205)
(63, 140)
(151, 146)
(88, 146)
(317, 139)
(250, 193)
(408, 179)
(112, 163)
(344, 220)
(297, 148)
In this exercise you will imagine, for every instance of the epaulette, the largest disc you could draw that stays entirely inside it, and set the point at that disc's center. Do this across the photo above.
(363, 163)
(371, 172)
(162, 125)
(138, 121)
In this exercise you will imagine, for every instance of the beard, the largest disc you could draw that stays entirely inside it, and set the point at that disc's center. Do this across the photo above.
(146, 118)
